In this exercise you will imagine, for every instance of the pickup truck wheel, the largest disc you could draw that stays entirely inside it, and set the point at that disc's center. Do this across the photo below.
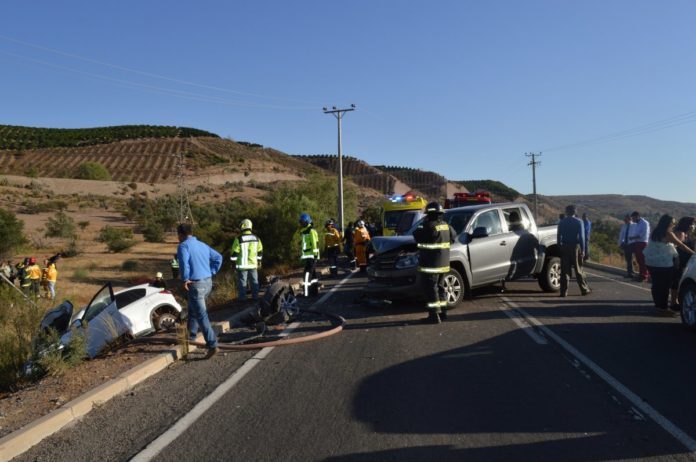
(453, 285)
(687, 297)
(550, 277)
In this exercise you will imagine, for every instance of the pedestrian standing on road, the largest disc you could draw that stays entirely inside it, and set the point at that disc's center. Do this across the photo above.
(587, 225)
(638, 240)
(433, 238)
(332, 245)
(348, 245)
(247, 253)
(571, 241)
(198, 263)
(662, 260)
(626, 247)
(309, 254)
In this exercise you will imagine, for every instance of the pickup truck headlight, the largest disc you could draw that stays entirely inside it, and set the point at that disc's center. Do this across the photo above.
(408, 261)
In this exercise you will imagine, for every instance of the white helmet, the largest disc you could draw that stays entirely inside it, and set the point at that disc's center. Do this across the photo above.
(360, 224)
(245, 224)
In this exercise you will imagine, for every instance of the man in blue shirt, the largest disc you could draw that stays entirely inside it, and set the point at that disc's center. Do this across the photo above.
(198, 262)
(571, 241)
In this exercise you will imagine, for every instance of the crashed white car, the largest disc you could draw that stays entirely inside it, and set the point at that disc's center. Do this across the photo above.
(131, 312)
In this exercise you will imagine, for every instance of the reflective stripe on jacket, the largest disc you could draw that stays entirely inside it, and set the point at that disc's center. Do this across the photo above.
(34, 272)
(247, 251)
(310, 243)
(332, 238)
(433, 238)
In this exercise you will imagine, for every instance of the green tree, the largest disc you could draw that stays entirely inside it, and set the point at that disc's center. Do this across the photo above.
(11, 232)
(116, 239)
(93, 171)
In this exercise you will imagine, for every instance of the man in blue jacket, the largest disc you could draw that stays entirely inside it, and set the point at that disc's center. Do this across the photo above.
(198, 262)
(571, 241)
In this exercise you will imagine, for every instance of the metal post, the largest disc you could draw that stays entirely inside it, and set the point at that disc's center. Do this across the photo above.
(338, 113)
(534, 163)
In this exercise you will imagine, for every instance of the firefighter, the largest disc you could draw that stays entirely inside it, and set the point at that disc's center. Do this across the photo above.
(247, 253)
(34, 277)
(24, 283)
(309, 255)
(174, 263)
(433, 237)
(159, 281)
(361, 240)
(348, 245)
(332, 245)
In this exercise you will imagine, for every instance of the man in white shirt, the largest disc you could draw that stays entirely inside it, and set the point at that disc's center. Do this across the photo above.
(638, 237)
(626, 246)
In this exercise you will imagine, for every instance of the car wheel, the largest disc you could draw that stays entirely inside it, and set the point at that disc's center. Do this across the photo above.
(687, 297)
(453, 286)
(550, 277)
(166, 321)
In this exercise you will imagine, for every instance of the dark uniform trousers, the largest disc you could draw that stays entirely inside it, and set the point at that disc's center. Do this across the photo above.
(570, 258)
(433, 238)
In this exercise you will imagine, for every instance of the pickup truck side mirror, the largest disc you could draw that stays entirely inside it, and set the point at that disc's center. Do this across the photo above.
(480, 231)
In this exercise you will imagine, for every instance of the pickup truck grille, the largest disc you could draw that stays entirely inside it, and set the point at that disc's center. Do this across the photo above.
(385, 262)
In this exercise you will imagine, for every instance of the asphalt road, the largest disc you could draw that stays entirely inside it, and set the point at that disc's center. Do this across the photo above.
(520, 375)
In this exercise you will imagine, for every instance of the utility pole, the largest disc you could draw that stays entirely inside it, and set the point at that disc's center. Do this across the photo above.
(338, 113)
(534, 163)
(184, 214)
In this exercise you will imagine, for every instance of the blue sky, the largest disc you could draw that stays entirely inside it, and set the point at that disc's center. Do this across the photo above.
(605, 89)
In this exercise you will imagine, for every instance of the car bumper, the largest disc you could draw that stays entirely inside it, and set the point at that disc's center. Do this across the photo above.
(395, 284)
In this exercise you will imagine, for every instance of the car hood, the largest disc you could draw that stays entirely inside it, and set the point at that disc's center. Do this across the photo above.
(386, 243)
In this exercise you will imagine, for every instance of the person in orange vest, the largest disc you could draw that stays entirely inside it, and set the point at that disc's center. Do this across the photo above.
(361, 240)
(34, 277)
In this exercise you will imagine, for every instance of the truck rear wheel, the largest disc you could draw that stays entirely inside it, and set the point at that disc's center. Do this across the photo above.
(550, 276)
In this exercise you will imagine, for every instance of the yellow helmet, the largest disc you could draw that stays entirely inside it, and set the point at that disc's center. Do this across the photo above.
(245, 224)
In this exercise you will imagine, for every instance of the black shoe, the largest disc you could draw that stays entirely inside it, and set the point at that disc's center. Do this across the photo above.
(586, 292)
(433, 318)
(563, 294)
(443, 315)
(211, 352)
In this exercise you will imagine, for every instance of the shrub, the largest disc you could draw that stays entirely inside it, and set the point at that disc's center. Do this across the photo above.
(18, 322)
(129, 265)
(73, 250)
(11, 232)
(60, 225)
(93, 171)
(83, 224)
(153, 231)
(80, 274)
(116, 239)
(32, 172)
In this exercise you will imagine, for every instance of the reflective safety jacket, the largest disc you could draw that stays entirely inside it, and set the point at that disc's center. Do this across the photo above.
(33, 271)
(332, 238)
(247, 251)
(174, 263)
(310, 242)
(51, 273)
(433, 238)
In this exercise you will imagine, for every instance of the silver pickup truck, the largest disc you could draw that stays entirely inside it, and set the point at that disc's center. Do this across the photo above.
(495, 243)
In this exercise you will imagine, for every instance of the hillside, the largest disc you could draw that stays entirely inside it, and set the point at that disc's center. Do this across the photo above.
(20, 138)
(154, 160)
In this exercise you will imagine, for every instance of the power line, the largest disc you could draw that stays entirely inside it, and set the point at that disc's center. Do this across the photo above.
(670, 122)
(148, 74)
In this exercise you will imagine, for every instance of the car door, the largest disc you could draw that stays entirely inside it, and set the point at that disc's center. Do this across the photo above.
(489, 252)
(102, 322)
(134, 306)
(521, 242)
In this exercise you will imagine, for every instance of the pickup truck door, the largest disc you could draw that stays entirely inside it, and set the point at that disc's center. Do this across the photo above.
(521, 240)
(489, 255)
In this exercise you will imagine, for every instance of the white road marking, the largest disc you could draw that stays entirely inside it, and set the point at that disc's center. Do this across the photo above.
(518, 318)
(640, 405)
(617, 281)
(156, 446)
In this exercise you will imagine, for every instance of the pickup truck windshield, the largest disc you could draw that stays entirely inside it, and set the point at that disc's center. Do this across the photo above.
(457, 219)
